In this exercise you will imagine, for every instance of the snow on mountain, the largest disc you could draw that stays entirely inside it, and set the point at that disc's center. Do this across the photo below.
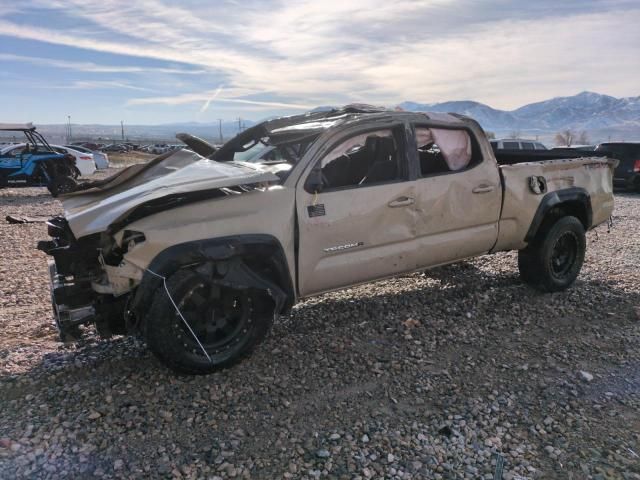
(479, 111)
(584, 111)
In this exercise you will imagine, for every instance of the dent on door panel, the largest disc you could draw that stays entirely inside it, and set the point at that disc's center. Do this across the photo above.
(453, 222)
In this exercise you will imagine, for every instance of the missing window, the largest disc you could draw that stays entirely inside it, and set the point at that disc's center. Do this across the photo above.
(362, 160)
(443, 150)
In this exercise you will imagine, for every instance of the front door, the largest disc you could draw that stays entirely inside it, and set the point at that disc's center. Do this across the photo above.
(356, 223)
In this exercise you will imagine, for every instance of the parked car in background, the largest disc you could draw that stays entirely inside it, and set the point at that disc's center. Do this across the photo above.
(159, 148)
(516, 144)
(85, 164)
(91, 146)
(100, 159)
(115, 148)
(575, 148)
(35, 163)
(627, 173)
(84, 161)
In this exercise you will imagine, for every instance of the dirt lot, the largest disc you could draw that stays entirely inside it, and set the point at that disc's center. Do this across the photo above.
(129, 158)
(432, 375)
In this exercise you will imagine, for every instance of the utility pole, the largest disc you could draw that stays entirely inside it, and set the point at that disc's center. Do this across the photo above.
(68, 129)
(239, 124)
(220, 128)
(122, 129)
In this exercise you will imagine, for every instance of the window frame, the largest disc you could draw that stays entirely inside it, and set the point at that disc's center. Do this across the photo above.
(398, 133)
(475, 148)
(515, 142)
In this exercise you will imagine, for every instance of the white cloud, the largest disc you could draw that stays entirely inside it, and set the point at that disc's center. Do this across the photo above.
(96, 85)
(90, 67)
(209, 97)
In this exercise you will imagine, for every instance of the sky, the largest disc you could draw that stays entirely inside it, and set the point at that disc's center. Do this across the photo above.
(161, 61)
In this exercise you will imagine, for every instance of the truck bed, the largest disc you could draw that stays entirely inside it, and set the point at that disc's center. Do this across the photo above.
(513, 157)
(589, 174)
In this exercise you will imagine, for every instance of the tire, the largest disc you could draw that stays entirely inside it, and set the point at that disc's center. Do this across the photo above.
(229, 323)
(553, 260)
(61, 185)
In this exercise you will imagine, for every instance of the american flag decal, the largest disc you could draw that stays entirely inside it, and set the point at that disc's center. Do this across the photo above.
(316, 210)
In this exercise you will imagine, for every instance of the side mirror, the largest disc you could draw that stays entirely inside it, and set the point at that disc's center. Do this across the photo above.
(314, 181)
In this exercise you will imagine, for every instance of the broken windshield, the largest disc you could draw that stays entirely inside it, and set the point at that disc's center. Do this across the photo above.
(269, 150)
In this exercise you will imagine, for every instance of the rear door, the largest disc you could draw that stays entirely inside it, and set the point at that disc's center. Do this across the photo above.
(355, 212)
(458, 196)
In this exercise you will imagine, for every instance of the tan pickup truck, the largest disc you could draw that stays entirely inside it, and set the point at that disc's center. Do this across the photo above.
(199, 255)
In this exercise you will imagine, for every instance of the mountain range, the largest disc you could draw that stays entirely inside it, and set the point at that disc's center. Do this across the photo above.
(588, 111)
(602, 117)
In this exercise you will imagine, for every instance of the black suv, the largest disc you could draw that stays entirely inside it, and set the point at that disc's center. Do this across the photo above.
(627, 174)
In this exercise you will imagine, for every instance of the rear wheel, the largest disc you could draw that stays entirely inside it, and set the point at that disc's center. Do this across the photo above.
(553, 260)
(61, 185)
(224, 322)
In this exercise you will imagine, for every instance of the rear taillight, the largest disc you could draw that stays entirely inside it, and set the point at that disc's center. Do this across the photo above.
(636, 166)
(85, 157)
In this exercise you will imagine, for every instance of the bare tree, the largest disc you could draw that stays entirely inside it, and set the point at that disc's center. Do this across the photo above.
(564, 138)
(583, 138)
(490, 135)
(515, 134)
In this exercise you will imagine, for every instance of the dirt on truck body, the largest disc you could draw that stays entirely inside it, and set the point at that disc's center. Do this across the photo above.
(200, 254)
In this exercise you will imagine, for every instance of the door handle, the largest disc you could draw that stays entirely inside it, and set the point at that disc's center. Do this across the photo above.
(484, 189)
(401, 202)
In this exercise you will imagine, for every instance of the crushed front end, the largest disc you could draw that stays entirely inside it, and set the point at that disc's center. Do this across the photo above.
(77, 271)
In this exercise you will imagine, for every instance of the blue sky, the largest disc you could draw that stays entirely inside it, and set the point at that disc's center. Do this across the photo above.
(156, 61)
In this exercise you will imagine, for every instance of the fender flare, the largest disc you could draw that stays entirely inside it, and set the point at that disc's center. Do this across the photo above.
(572, 195)
(233, 249)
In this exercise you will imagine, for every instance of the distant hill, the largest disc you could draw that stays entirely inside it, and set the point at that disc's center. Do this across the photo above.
(488, 117)
(603, 117)
(146, 133)
(600, 115)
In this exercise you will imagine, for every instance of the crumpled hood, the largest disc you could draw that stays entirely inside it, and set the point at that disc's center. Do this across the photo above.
(94, 209)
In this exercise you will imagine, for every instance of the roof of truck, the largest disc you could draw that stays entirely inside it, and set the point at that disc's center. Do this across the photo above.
(16, 127)
(324, 119)
(313, 123)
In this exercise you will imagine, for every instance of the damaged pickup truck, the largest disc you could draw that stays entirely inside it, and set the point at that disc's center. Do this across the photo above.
(199, 255)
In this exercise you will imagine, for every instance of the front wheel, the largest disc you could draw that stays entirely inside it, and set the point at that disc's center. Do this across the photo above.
(552, 262)
(205, 326)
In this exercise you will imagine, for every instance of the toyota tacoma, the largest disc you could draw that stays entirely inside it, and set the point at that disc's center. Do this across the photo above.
(200, 254)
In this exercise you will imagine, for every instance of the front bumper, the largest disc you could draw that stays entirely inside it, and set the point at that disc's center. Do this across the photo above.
(64, 295)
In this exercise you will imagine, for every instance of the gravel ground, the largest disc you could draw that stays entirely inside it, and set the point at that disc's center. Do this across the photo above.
(432, 375)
